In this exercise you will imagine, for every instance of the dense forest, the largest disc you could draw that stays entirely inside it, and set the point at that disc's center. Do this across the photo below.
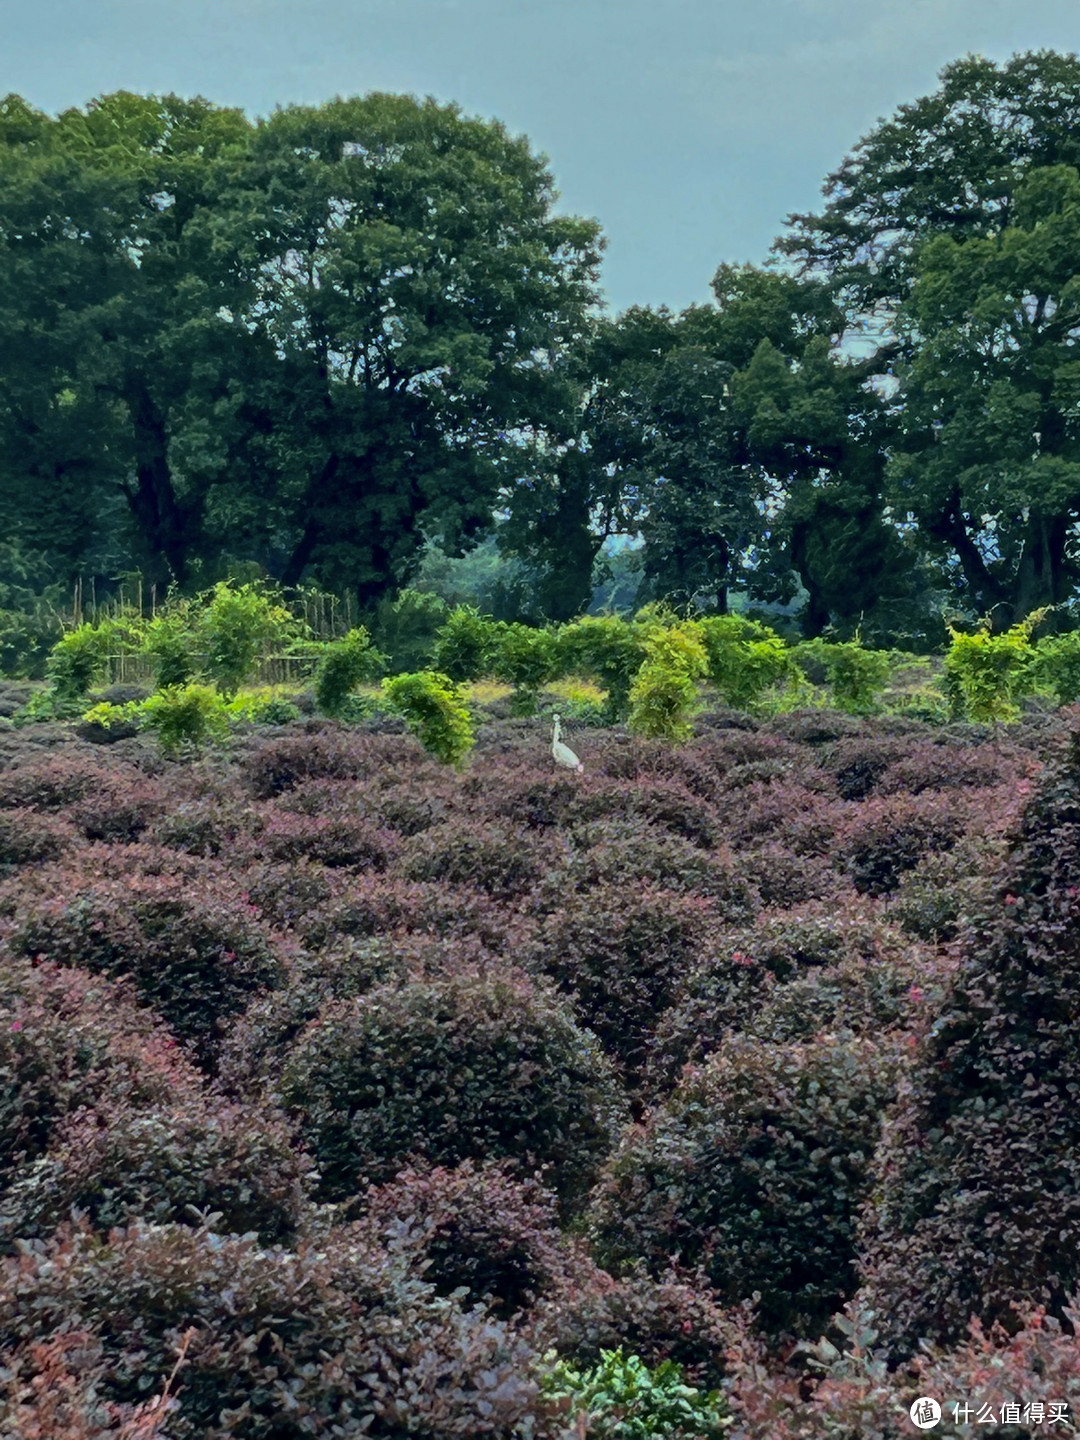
(342, 343)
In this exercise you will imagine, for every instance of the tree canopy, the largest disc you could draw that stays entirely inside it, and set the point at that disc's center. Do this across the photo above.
(315, 345)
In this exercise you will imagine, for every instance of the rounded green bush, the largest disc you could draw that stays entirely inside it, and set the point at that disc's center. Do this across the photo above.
(434, 712)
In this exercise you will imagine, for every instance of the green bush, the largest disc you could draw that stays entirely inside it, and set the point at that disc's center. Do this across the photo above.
(170, 642)
(238, 627)
(78, 659)
(190, 714)
(527, 659)
(745, 658)
(434, 712)
(114, 720)
(605, 648)
(345, 664)
(466, 644)
(26, 639)
(622, 1399)
(664, 692)
(1057, 666)
(986, 674)
(856, 675)
(405, 629)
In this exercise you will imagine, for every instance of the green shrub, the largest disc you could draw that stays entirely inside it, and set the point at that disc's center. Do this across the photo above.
(466, 644)
(434, 712)
(460, 1068)
(527, 659)
(270, 710)
(755, 1168)
(26, 638)
(345, 664)
(745, 658)
(46, 706)
(622, 1399)
(238, 626)
(1057, 666)
(986, 674)
(405, 629)
(663, 695)
(78, 659)
(114, 721)
(170, 641)
(605, 648)
(191, 715)
(856, 675)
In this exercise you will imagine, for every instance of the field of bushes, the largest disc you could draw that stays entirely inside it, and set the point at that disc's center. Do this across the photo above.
(358, 1081)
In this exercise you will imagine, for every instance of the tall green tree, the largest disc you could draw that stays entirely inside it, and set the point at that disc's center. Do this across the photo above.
(409, 272)
(118, 399)
(949, 237)
(310, 343)
(990, 465)
(585, 479)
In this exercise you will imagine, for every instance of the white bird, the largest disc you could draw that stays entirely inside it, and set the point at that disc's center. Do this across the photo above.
(563, 754)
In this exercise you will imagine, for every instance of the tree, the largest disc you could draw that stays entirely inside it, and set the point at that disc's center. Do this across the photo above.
(948, 163)
(947, 236)
(117, 387)
(307, 343)
(586, 481)
(408, 272)
(990, 465)
(819, 431)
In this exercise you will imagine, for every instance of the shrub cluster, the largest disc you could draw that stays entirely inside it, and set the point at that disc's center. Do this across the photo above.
(408, 1052)
(977, 1191)
(326, 1339)
(196, 955)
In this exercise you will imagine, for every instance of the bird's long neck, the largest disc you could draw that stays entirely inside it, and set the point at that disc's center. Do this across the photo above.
(558, 731)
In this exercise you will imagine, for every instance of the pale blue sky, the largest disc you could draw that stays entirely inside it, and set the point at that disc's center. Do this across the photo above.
(689, 128)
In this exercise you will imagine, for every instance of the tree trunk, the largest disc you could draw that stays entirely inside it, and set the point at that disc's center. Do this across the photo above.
(987, 592)
(572, 543)
(165, 525)
(304, 548)
(1041, 575)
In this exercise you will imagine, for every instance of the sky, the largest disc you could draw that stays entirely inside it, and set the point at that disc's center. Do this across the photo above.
(688, 128)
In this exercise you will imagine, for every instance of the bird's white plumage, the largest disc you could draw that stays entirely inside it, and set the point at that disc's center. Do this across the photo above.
(562, 753)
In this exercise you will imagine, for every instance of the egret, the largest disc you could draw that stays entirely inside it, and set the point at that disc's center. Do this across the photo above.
(562, 753)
